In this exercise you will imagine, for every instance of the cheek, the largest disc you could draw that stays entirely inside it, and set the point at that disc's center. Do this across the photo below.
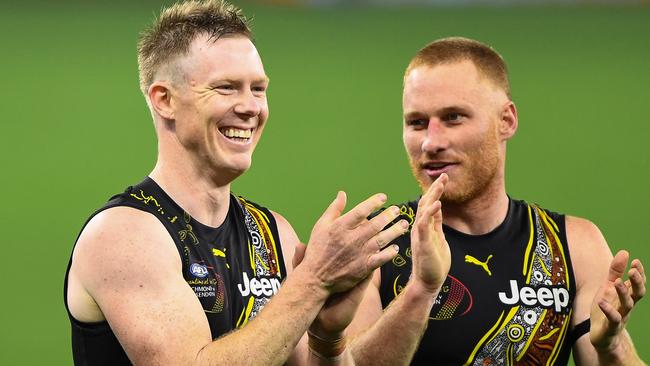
(412, 144)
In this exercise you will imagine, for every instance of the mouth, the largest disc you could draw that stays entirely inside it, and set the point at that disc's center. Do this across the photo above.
(237, 135)
(435, 168)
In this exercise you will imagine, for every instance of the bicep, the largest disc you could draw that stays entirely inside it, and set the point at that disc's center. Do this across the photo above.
(590, 256)
(134, 275)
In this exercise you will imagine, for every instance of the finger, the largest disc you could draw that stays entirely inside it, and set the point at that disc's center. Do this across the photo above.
(428, 220)
(618, 265)
(360, 212)
(379, 222)
(637, 283)
(437, 216)
(435, 191)
(384, 256)
(611, 314)
(335, 209)
(639, 267)
(625, 300)
(380, 240)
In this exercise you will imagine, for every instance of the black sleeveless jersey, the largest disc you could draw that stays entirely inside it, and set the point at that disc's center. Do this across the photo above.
(507, 299)
(233, 269)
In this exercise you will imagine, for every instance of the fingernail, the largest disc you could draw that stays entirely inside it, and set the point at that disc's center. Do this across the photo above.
(404, 224)
(395, 210)
(382, 197)
(395, 248)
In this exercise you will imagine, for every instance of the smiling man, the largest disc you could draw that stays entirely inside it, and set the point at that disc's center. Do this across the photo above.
(178, 271)
(526, 285)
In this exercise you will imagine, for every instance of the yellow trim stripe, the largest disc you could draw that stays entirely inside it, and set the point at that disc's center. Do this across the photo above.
(549, 335)
(249, 205)
(251, 257)
(560, 340)
(530, 240)
(509, 354)
(541, 262)
(249, 308)
(550, 219)
(530, 269)
(482, 341)
(262, 261)
(559, 245)
(395, 285)
(240, 317)
(266, 227)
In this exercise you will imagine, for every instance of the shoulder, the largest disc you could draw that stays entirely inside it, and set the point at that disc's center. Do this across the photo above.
(584, 237)
(121, 239)
(590, 253)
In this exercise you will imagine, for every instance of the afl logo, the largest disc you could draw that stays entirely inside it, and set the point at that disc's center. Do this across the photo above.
(199, 270)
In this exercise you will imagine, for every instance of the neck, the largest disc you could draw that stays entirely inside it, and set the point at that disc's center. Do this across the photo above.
(481, 214)
(206, 199)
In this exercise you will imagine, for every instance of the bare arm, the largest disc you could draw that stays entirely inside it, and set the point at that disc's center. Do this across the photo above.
(134, 276)
(327, 346)
(127, 266)
(407, 317)
(603, 295)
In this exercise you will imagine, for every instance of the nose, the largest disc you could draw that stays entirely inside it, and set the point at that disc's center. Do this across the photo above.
(248, 105)
(436, 139)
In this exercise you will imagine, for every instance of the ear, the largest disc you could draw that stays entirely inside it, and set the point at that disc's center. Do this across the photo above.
(509, 121)
(160, 97)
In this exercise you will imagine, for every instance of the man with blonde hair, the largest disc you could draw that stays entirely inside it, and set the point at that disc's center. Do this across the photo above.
(179, 271)
(526, 285)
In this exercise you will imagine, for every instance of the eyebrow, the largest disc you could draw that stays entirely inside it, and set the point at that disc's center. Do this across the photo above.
(239, 81)
(438, 112)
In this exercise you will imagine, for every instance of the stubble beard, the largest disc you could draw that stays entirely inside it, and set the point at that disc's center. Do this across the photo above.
(479, 170)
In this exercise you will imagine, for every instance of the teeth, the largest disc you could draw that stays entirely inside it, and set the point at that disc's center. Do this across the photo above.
(238, 133)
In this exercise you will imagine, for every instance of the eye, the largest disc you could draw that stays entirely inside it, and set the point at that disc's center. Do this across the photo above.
(417, 123)
(260, 89)
(224, 88)
(453, 117)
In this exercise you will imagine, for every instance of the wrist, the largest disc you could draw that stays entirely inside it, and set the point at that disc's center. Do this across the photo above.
(420, 291)
(309, 283)
(619, 351)
(326, 346)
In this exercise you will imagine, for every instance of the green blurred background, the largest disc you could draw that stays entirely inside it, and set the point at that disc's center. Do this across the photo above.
(75, 128)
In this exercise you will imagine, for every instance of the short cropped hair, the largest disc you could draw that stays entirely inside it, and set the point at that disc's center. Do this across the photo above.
(454, 49)
(171, 35)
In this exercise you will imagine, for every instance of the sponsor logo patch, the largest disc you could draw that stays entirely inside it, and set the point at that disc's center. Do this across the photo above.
(266, 286)
(199, 270)
(555, 297)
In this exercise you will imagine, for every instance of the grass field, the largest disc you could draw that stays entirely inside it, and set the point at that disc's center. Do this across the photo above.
(76, 130)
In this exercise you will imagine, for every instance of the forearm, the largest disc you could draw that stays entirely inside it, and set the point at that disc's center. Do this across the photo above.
(623, 353)
(270, 338)
(405, 320)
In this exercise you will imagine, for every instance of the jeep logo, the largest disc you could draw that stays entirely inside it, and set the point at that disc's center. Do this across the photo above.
(266, 287)
(548, 297)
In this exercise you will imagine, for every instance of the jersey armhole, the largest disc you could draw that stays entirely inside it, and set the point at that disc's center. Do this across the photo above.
(67, 272)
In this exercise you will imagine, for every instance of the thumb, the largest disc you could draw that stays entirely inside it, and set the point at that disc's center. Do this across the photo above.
(618, 265)
(298, 255)
(335, 209)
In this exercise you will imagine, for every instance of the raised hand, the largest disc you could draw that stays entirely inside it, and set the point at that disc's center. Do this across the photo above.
(431, 254)
(344, 249)
(615, 300)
